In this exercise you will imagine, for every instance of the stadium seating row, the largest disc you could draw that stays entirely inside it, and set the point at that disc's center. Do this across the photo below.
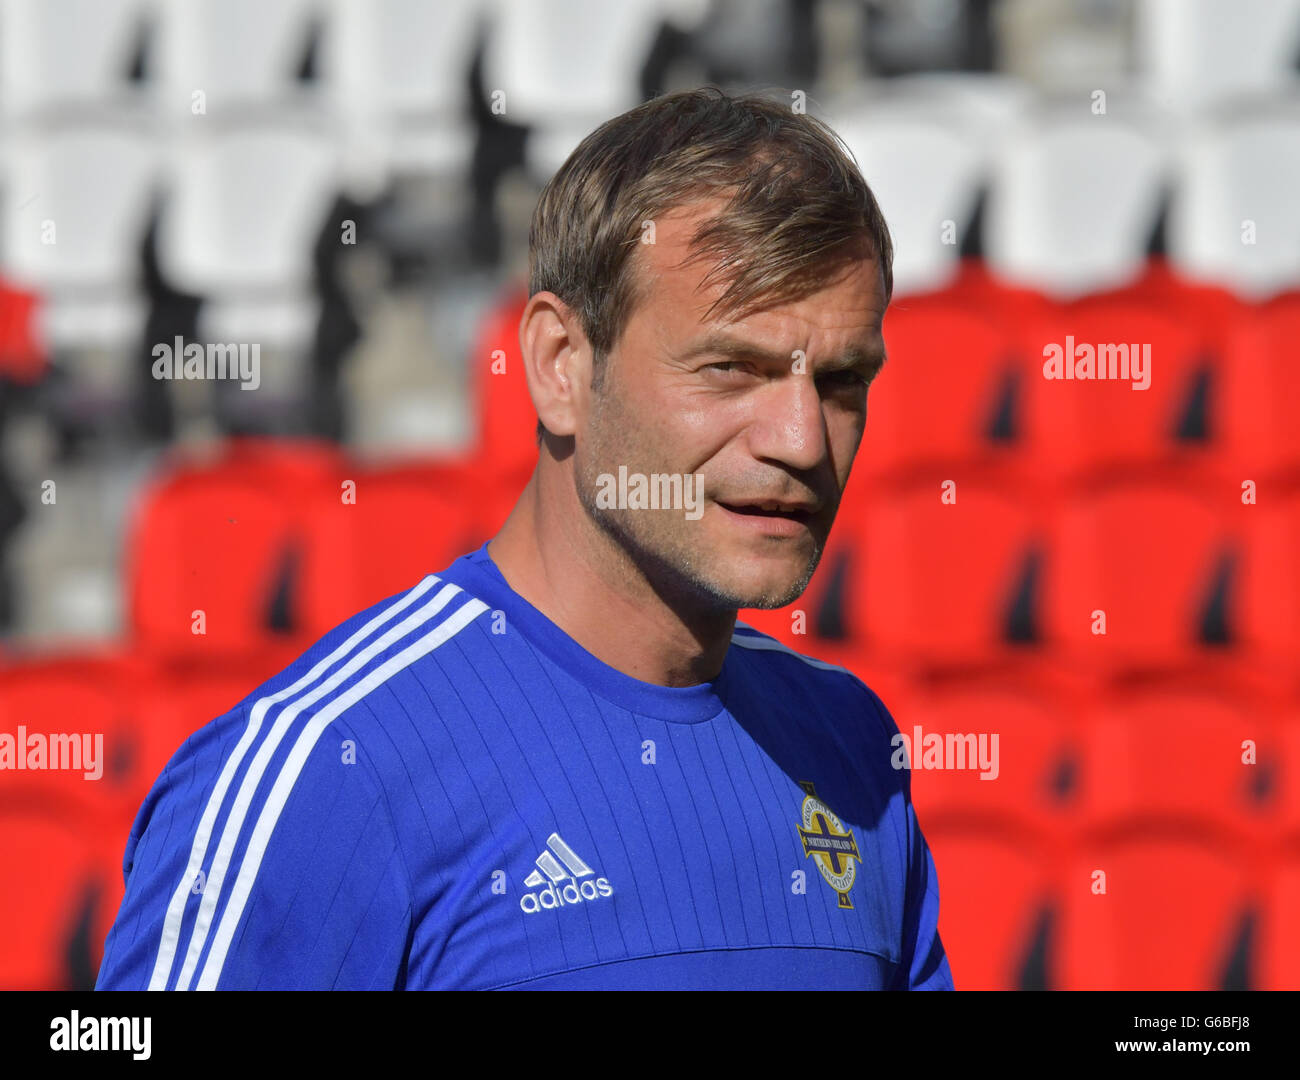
(408, 54)
(1145, 907)
(62, 833)
(256, 548)
(240, 209)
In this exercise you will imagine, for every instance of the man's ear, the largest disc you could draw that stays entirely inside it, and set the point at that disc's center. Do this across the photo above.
(557, 362)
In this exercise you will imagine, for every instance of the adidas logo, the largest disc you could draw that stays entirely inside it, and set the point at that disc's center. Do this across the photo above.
(565, 879)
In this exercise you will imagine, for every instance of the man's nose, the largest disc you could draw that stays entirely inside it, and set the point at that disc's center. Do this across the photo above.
(790, 426)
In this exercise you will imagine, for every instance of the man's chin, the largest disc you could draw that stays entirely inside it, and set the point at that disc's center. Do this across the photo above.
(766, 582)
(768, 600)
(720, 576)
(766, 591)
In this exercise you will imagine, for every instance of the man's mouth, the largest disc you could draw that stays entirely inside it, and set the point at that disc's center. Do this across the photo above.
(772, 508)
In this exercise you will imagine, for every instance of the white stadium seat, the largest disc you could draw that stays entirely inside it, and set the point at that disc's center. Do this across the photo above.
(1235, 219)
(924, 174)
(76, 203)
(565, 67)
(983, 102)
(244, 211)
(239, 54)
(400, 56)
(1073, 203)
(1195, 52)
(396, 73)
(66, 53)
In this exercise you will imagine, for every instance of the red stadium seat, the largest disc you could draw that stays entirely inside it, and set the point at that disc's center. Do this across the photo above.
(84, 701)
(1208, 309)
(819, 629)
(506, 446)
(495, 496)
(1261, 384)
(22, 356)
(779, 622)
(1032, 781)
(947, 393)
(226, 536)
(1153, 560)
(1269, 578)
(405, 522)
(175, 702)
(58, 897)
(223, 544)
(1173, 916)
(1288, 783)
(980, 289)
(1178, 756)
(292, 467)
(943, 584)
(994, 906)
(1279, 939)
(1105, 427)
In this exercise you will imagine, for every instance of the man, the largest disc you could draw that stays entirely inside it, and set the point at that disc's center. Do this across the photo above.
(559, 763)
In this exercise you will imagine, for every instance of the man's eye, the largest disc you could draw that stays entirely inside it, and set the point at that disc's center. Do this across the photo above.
(729, 366)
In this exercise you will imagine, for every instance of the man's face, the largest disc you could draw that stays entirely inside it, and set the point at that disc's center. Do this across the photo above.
(768, 408)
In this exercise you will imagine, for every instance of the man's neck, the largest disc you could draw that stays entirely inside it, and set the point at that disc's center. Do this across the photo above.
(585, 583)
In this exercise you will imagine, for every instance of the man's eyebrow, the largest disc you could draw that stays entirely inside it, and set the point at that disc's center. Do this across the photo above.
(734, 348)
(871, 360)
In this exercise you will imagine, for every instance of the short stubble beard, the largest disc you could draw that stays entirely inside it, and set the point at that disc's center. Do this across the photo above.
(662, 556)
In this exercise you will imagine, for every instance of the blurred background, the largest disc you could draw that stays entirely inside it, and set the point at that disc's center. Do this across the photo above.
(346, 186)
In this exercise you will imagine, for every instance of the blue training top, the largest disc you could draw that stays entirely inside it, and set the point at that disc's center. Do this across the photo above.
(447, 791)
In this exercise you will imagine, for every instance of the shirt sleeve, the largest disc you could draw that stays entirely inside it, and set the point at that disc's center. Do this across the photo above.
(259, 862)
(924, 963)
